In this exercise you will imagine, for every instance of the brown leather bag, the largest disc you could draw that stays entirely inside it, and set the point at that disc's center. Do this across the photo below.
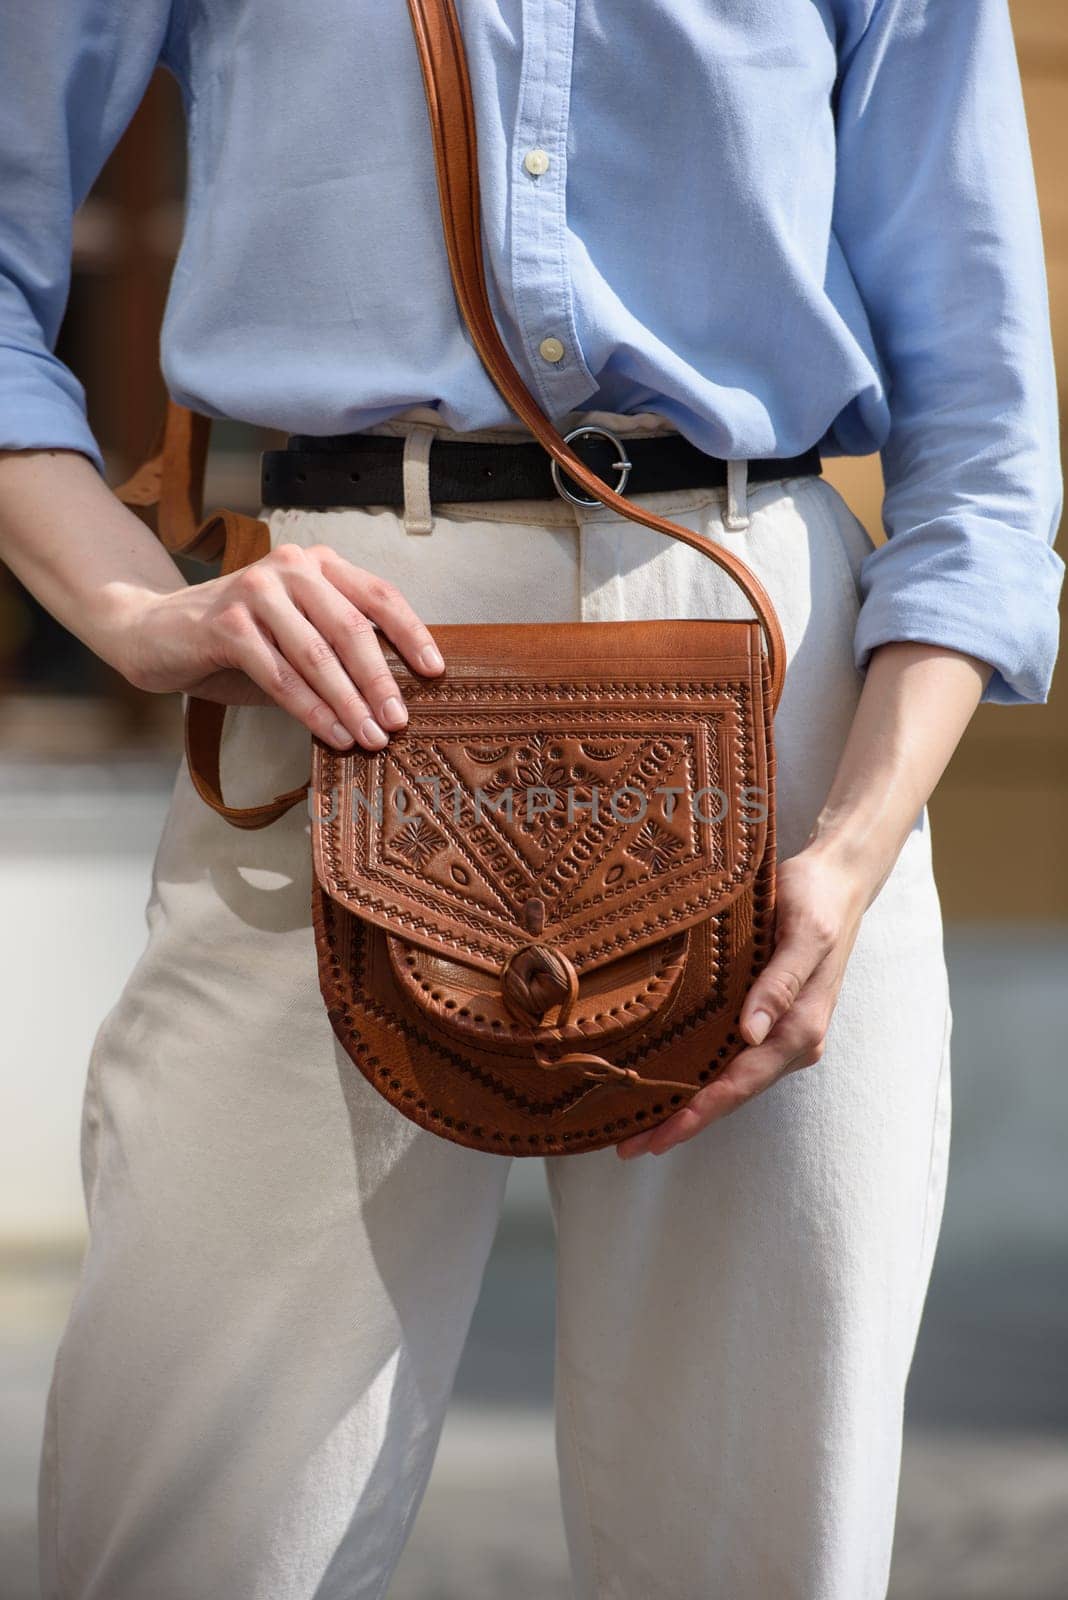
(538, 910)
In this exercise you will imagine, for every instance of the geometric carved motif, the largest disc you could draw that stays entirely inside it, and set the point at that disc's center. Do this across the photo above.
(500, 794)
(417, 842)
(654, 846)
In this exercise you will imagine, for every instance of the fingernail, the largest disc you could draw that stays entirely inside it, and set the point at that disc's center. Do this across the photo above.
(371, 733)
(431, 659)
(759, 1023)
(393, 711)
(340, 734)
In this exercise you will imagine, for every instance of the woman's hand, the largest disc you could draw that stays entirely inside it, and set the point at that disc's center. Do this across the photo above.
(916, 702)
(819, 905)
(296, 628)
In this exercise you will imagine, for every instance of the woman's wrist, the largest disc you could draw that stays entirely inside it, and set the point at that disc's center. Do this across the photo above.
(915, 704)
(115, 620)
(88, 559)
(860, 846)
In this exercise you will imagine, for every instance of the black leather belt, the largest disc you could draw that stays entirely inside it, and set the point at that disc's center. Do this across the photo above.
(357, 469)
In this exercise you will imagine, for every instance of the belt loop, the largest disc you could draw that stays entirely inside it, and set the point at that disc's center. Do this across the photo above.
(418, 517)
(736, 516)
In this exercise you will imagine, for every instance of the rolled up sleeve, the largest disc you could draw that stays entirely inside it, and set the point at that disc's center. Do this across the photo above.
(72, 73)
(937, 215)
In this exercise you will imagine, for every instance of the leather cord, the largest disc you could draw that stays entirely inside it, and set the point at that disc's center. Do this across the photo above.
(452, 122)
(171, 482)
(598, 1070)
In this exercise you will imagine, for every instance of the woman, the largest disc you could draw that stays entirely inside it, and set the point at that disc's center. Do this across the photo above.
(763, 230)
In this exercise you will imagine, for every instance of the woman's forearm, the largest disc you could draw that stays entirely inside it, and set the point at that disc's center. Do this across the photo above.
(299, 628)
(84, 555)
(916, 702)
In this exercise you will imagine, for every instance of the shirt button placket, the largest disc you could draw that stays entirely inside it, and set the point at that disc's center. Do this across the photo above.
(541, 285)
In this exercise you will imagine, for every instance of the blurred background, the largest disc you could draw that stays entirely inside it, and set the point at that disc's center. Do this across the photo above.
(86, 765)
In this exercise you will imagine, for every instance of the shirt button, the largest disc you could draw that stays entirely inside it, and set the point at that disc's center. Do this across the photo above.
(536, 162)
(551, 349)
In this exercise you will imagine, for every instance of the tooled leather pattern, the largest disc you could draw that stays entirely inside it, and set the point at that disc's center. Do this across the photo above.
(542, 843)
(416, 838)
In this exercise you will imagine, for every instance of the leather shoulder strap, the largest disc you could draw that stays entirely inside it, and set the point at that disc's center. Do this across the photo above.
(452, 123)
(171, 481)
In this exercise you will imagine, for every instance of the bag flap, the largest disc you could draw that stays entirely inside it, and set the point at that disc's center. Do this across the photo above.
(546, 791)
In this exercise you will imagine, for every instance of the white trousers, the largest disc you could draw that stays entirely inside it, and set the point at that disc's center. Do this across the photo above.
(281, 1268)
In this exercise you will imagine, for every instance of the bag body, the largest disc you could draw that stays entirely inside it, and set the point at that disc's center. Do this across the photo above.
(539, 908)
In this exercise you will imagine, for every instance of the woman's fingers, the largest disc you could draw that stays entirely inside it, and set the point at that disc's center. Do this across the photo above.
(805, 941)
(344, 658)
(307, 604)
(312, 671)
(263, 663)
(787, 1011)
(386, 607)
(817, 913)
(796, 1041)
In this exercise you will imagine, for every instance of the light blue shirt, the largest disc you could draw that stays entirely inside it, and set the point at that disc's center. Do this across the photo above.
(778, 223)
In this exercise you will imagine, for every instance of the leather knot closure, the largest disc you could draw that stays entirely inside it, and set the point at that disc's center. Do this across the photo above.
(536, 979)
